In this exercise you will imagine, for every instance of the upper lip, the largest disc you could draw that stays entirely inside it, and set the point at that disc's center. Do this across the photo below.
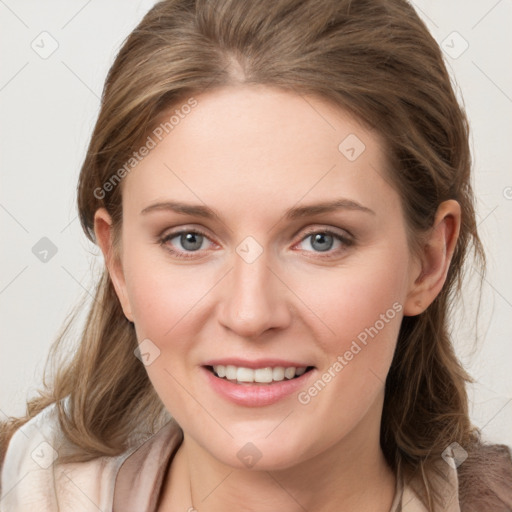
(255, 363)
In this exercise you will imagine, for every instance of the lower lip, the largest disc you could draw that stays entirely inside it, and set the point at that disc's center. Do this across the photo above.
(255, 395)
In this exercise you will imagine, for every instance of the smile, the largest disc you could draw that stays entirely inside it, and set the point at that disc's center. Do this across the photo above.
(267, 375)
(256, 387)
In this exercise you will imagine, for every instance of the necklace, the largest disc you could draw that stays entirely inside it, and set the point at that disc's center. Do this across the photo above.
(191, 508)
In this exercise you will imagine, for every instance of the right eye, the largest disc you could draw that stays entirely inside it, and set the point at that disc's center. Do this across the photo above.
(182, 242)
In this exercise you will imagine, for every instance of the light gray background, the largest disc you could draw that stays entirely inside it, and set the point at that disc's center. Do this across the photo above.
(47, 110)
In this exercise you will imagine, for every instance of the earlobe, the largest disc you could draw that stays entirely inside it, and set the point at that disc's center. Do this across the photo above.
(435, 259)
(103, 232)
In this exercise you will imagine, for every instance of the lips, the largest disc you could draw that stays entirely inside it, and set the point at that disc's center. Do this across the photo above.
(253, 384)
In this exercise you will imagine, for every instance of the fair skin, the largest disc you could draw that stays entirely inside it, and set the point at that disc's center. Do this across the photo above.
(251, 153)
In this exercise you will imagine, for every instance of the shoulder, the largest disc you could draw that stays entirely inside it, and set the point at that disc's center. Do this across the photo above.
(485, 479)
(32, 477)
(476, 480)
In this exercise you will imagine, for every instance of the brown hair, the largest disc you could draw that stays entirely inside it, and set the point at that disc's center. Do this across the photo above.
(374, 58)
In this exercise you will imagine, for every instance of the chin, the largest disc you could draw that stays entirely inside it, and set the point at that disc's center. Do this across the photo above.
(260, 455)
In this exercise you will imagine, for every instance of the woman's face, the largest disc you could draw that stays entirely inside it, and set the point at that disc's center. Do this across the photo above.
(262, 233)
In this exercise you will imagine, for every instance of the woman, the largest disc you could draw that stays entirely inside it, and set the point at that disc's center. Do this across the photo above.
(281, 192)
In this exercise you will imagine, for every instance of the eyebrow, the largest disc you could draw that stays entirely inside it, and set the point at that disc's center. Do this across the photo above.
(290, 214)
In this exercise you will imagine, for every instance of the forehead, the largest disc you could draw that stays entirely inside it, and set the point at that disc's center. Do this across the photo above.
(256, 142)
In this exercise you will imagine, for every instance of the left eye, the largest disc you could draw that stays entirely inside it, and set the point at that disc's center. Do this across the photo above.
(322, 241)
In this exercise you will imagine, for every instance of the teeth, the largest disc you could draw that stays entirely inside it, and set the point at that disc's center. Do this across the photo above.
(230, 372)
(244, 375)
(289, 373)
(278, 373)
(260, 375)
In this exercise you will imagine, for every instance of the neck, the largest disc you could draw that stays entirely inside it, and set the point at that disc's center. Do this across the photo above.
(351, 475)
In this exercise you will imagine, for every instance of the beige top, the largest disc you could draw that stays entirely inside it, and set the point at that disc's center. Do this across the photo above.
(131, 482)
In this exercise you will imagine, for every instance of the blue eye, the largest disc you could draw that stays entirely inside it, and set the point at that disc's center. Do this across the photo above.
(190, 241)
(324, 241)
(187, 242)
(321, 241)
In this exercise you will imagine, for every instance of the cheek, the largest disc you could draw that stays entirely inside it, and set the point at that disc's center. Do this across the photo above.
(165, 302)
(362, 304)
(154, 307)
(352, 298)
(358, 311)
(161, 294)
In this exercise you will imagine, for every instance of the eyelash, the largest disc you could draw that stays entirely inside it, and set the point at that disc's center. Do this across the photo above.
(347, 242)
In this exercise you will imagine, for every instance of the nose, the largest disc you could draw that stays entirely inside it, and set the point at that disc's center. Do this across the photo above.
(254, 299)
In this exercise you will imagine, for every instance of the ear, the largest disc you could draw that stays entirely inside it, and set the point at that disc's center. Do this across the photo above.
(103, 232)
(434, 259)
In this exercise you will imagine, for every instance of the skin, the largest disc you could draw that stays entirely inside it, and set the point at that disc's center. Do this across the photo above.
(251, 153)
